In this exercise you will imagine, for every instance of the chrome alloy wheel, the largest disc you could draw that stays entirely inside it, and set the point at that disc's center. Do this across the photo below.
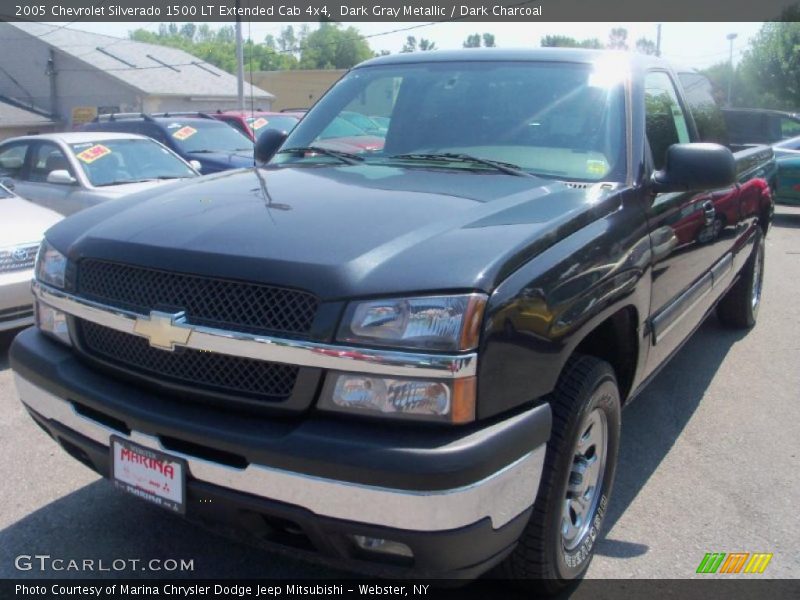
(758, 277)
(585, 479)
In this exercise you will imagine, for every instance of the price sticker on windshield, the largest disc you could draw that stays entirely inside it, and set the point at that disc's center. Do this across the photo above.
(259, 123)
(92, 154)
(184, 133)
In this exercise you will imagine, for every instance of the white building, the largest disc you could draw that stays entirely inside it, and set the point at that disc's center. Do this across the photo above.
(74, 75)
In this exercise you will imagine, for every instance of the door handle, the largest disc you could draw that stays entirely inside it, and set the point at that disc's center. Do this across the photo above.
(709, 212)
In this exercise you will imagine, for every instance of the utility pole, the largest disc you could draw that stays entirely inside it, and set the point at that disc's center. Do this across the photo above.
(658, 39)
(239, 59)
(730, 37)
(51, 74)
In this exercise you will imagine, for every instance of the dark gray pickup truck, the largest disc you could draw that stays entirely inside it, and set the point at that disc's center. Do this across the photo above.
(412, 360)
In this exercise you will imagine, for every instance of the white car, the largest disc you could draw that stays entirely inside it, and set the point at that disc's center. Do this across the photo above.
(22, 228)
(68, 172)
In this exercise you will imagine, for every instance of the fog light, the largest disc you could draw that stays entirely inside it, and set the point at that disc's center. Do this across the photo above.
(53, 322)
(446, 401)
(382, 546)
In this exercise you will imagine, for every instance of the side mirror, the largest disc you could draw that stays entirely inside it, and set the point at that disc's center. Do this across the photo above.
(60, 176)
(268, 143)
(695, 167)
(196, 165)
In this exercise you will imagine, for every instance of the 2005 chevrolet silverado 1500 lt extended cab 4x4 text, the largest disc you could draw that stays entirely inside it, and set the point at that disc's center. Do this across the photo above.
(410, 361)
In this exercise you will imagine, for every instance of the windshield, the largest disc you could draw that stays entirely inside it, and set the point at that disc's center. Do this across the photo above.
(260, 124)
(553, 119)
(208, 136)
(339, 128)
(111, 162)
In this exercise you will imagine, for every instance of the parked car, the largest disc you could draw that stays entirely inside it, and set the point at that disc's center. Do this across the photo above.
(68, 172)
(410, 361)
(21, 231)
(760, 126)
(343, 136)
(365, 123)
(253, 123)
(210, 145)
(787, 186)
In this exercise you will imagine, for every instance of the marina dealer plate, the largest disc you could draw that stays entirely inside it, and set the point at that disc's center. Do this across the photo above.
(149, 474)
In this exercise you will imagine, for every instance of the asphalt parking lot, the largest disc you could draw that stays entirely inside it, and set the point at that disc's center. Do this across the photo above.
(709, 463)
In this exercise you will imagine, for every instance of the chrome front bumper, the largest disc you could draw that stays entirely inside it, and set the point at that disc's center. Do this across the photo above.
(501, 496)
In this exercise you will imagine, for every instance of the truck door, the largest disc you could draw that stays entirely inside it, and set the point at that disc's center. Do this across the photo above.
(688, 230)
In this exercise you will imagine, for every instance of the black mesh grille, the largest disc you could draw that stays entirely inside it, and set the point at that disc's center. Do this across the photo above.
(228, 374)
(207, 301)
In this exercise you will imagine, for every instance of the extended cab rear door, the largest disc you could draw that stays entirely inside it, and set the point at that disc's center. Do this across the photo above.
(691, 232)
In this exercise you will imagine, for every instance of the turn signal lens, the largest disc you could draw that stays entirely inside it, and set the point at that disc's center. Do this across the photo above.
(53, 322)
(451, 401)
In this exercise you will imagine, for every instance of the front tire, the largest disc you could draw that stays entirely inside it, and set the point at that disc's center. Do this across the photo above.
(738, 308)
(558, 542)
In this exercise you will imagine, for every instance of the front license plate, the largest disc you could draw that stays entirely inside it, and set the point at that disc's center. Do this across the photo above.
(149, 474)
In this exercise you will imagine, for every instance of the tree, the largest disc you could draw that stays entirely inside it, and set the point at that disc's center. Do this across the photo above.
(188, 30)
(331, 47)
(719, 75)
(768, 75)
(425, 45)
(474, 40)
(287, 40)
(618, 39)
(218, 47)
(410, 45)
(564, 41)
(645, 46)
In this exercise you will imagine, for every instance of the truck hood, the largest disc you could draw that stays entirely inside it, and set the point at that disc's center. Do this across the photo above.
(123, 189)
(339, 231)
(23, 221)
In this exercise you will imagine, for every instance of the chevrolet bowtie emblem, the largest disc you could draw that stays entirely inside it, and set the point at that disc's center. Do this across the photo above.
(163, 330)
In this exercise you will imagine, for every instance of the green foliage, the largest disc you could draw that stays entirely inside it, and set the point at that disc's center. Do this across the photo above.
(618, 39)
(768, 75)
(332, 47)
(473, 41)
(565, 41)
(425, 45)
(476, 40)
(329, 47)
(719, 75)
(645, 46)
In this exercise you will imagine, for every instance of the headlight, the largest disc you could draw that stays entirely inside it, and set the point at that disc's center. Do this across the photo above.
(450, 401)
(51, 265)
(428, 322)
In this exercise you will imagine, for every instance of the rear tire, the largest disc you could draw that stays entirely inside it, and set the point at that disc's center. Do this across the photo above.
(558, 542)
(738, 308)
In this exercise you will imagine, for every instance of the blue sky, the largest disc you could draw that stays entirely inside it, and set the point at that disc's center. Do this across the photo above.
(689, 44)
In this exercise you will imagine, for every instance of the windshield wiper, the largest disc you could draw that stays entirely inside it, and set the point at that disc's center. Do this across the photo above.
(503, 167)
(124, 181)
(345, 157)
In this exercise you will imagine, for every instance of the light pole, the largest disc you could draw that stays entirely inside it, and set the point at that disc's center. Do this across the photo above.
(730, 37)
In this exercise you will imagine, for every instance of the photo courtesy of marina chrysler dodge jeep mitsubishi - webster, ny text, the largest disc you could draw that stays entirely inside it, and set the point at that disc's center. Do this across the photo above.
(410, 361)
